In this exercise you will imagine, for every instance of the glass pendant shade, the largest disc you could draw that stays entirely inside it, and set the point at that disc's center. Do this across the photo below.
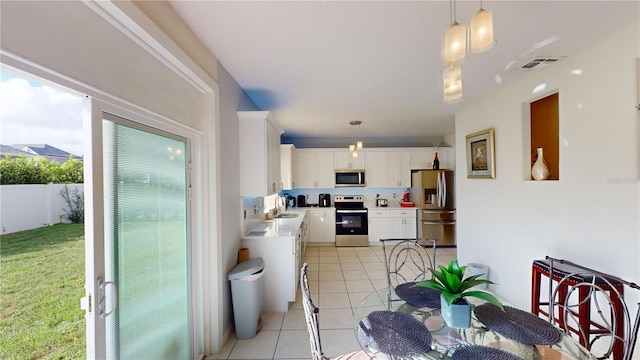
(354, 154)
(452, 84)
(352, 148)
(455, 43)
(482, 31)
(359, 144)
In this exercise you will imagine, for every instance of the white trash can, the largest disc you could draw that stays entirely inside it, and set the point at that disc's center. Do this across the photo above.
(475, 269)
(247, 295)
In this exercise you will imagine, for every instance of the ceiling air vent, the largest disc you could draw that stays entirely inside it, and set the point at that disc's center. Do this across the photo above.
(539, 63)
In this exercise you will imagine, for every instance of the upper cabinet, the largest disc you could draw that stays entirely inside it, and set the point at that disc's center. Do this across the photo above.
(316, 168)
(288, 166)
(375, 170)
(344, 160)
(422, 158)
(259, 153)
(384, 167)
(399, 169)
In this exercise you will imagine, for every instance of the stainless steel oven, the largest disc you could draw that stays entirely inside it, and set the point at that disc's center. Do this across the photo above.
(352, 222)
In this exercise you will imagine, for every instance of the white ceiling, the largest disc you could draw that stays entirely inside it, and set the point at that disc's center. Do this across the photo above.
(319, 64)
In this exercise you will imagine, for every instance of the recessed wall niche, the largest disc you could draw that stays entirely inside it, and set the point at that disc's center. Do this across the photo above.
(545, 133)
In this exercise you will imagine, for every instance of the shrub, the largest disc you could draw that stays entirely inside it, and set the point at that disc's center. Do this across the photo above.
(71, 172)
(38, 170)
(75, 201)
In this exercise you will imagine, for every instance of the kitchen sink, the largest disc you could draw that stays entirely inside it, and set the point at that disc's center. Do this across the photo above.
(287, 215)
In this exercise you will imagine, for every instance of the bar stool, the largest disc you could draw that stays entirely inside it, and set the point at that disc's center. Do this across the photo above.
(585, 325)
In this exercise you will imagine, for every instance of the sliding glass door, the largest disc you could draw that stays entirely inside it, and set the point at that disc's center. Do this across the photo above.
(143, 290)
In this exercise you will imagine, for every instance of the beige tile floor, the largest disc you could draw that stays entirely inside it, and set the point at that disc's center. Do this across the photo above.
(339, 279)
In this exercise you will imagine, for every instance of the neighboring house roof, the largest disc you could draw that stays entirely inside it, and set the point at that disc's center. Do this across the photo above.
(11, 151)
(47, 151)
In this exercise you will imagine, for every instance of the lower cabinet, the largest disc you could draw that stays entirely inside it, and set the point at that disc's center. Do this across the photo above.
(322, 225)
(281, 257)
(404, 223)
(391, 224)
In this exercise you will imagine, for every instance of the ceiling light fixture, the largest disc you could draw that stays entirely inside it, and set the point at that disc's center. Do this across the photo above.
(454, 48)
(455, 39)
(357, 144)
(482, 31)
(452, 84)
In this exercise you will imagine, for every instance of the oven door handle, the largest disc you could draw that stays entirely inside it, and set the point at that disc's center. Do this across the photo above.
(351, 211)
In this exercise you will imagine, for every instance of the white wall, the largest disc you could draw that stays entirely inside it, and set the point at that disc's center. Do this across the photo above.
(591, 215)
(24, 207)
(232, 99)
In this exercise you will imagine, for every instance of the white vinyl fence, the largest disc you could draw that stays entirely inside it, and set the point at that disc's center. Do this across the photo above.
(24, 207)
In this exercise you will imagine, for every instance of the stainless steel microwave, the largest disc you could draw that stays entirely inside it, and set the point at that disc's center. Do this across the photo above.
(350, 178)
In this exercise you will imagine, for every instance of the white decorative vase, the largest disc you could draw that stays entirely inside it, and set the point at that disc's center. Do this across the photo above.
(456, 315)
(540, 171)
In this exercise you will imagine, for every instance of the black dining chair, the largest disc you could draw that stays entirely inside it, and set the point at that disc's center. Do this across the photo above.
(591, 304)
(311, 313)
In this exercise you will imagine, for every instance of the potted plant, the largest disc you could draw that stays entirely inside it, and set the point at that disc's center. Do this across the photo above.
(455, 310)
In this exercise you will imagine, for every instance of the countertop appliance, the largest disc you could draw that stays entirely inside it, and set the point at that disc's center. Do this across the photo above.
(382, 202)
(324, 200)
(302, 201)
(433, 193)
(352, 222)
(349, 178)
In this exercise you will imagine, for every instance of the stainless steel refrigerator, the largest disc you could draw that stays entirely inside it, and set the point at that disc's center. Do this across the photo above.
(433, 192)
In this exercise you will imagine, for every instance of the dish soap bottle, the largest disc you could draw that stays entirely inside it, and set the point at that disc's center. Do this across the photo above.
(436, 163)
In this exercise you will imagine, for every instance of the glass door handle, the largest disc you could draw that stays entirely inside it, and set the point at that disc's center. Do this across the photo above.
(102, 298)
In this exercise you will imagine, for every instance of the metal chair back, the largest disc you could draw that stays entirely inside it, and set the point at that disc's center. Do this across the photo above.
(586, 289)
(311, 313)
(311, 316)
(407, 260)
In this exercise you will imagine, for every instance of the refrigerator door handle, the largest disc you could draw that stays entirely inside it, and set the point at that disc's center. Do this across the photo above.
(439, 191)
(444, 190)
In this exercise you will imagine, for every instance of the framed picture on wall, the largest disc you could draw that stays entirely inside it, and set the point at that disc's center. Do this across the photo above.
(481, 155)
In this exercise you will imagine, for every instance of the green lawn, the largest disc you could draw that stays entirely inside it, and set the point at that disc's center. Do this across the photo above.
(41, 283)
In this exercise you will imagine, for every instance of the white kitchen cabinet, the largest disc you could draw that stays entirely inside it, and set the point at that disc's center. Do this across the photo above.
(379, 225)
(422, 158)
(398, 169)
(344, 160)
(259, 153)
(376, 169)
(288, 166)
(391, 224)
(315, 169)
(322, 226)
(304, 227)
(403, 223)
(281, 268)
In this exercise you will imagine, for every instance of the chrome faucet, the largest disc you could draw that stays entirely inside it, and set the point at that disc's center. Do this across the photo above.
(279, 203)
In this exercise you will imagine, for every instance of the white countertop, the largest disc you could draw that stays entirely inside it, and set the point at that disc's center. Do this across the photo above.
(278, 227)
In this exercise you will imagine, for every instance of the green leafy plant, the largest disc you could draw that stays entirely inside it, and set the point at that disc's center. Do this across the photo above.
(75, 201)
(449, 281)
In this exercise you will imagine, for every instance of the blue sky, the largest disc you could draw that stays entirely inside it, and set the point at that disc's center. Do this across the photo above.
(33, 113)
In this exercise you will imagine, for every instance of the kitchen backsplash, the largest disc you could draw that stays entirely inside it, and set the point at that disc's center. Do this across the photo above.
(394, 195)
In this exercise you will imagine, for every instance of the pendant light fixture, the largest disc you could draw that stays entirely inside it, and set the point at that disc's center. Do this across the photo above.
(482, 31)
(455, 39)
(452, 83)
(357, 144)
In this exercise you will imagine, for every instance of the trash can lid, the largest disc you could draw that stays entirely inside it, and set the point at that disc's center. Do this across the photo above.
(247, 267)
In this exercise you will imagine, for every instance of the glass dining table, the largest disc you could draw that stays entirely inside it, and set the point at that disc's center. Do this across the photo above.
(398, 330)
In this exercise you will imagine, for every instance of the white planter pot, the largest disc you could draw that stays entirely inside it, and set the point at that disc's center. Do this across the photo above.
(456, 315)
